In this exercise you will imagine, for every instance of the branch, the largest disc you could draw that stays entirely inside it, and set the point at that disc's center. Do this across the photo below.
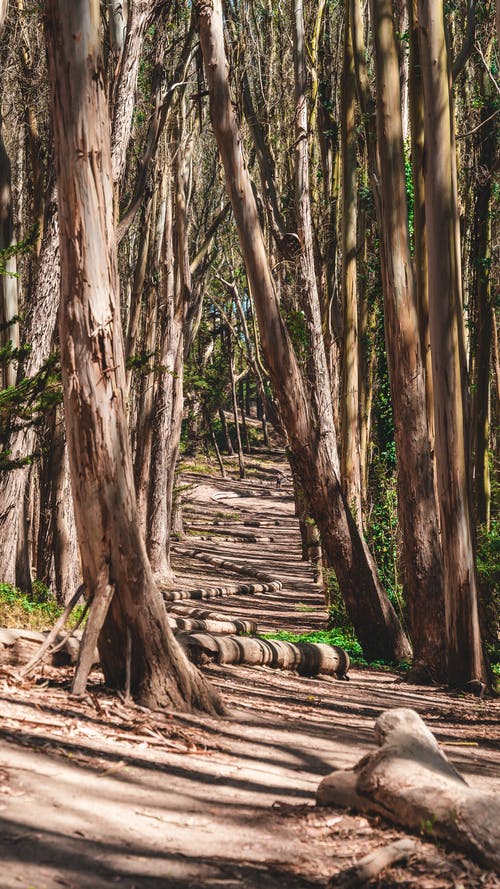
(163, 101)
(468, 44)
(59, 624)
(207, 242)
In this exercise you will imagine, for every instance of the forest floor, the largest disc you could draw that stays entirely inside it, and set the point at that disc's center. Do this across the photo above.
(96, 793)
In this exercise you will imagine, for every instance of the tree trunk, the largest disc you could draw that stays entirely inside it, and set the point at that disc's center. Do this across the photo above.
(8, 280)
(420, 227)
(374, 619)
(170, 325)
(241, 459)
(350, 455)
(125, 604)
(464, 651)
(38, 333)
(421, 553)
(481, 251)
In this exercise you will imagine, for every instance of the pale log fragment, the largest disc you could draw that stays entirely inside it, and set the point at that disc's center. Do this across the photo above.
(371, 865)
(410, 781)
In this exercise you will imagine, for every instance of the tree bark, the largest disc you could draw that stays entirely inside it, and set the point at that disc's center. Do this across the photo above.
(8, 280)
(464, 650)
(367, 602)
(350, 455)
(481, 251)
(417, 510)
(420, 228)
(410, 781)
(125, 604)
(38, 333)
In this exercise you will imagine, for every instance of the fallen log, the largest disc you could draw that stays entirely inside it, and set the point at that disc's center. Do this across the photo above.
(222, 626)
(219, 592)
(307, 658)
(410, 781)
(231, 566)
(243, 626)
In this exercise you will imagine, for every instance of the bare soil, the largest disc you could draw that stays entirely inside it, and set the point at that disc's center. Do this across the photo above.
(98, 793)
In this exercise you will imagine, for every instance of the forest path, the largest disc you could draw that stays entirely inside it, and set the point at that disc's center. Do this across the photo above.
(97, 794)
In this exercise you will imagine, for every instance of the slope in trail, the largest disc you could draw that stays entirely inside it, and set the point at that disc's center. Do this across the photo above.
(98, 794)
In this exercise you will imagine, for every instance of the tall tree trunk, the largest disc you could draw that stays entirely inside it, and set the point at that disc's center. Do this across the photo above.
(374, 619)
(38, 333)
(420, 228)
(350, 454)
(241, 459)
(481, 251)
(417, 510)
(8, 280)
(464, 652)
(170, 325)
(127, 614)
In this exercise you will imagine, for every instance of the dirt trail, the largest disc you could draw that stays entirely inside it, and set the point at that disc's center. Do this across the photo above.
(95, 794)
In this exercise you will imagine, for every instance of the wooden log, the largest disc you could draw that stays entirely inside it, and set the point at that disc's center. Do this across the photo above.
(243, 626)
(410, 781)
(235, 567)
(236, 589)
(308, 658)
(222, 626)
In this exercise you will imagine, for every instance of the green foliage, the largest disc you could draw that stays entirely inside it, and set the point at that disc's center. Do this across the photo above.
(36, 612)
(410, 197)
(382, 531)
(19, 249)
(488, 569)
(26, 404)
(342, 638)
(296, 324)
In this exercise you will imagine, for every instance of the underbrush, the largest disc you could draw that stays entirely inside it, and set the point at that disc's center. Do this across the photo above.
(36, 612)
(341, 637)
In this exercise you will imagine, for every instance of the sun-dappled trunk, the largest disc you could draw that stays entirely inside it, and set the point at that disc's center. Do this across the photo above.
(417, 509)
(464, 651)
(127, 616)
(350, 453)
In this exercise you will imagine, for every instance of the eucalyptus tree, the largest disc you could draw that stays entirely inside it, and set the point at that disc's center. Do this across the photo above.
(465, 660)
(127, 617)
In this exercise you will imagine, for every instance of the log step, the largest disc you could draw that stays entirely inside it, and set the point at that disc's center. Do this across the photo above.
(221, 626)
(307, 658)
(231, 566)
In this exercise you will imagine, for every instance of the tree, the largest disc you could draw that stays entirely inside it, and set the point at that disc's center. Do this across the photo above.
(465, 661)
(417, 509)
(127, 616)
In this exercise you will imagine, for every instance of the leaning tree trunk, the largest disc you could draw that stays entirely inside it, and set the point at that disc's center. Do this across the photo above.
(417, 509)
(127, 614)
(374, 619)
(465, 656)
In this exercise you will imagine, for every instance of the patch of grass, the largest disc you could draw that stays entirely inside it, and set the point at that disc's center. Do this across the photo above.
(340, 637)
(228, 516)
(36, 612)
(305, 608)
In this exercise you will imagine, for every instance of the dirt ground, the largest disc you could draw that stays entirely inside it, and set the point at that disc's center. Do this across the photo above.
(96, 793)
